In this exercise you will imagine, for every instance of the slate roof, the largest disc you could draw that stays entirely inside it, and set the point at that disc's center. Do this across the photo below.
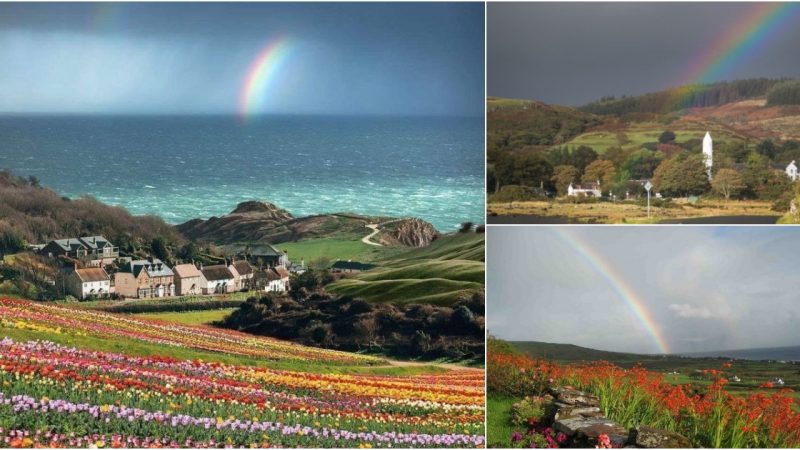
(95, 242)
(156, 268)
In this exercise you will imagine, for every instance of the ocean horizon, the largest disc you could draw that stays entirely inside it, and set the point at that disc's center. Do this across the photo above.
(182, 167)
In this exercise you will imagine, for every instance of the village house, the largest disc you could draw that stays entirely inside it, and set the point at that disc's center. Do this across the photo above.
(89, 282)
(263, 255)
(189, 280)
(245, 272)
(96, 251)
(220, 279)
(350, 266)
(145, 278)
(274, 279)
(584, 190)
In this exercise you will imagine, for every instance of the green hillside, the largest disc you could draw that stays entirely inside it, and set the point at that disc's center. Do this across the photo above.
(449, 269)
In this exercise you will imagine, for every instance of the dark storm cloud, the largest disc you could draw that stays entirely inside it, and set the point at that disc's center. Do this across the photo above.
(346, 58)
(572, 53)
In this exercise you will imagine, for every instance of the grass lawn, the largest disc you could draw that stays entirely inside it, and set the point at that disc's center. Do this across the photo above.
(139, 348)
(333, 248)
(498, 421)
(191, 317)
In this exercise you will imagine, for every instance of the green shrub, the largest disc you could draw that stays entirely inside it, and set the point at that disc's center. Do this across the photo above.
(516, 193)
(530, 410)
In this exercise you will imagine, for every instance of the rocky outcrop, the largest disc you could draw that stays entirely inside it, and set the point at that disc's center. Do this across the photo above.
(577, 414)
(255, 221)
(414, 233)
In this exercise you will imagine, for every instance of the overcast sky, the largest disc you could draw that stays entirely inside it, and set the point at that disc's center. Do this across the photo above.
(706, 288)
(420, 59)
(572, 53)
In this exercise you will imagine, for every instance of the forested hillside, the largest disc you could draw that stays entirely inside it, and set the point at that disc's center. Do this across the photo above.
(676, 99)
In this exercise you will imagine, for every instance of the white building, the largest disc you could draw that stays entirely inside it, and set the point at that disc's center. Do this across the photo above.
(791, 171)
(89, 282)
(586, 190)
(708, 153)
(220, 279)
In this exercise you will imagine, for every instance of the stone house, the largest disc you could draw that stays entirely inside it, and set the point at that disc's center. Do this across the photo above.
(145, 278)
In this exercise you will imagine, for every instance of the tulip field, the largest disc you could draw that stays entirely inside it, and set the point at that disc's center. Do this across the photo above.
(59, 395)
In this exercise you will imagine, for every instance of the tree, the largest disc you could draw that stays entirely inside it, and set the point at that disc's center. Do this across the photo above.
(562, 177)
(727, 182)
(641, 164)
(681, 176)
(582, 157)
(667, 137)
(767, 148)
(159, 248)
(600, 170)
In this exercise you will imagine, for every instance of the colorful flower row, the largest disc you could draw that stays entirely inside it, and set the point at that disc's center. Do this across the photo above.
(60, 319)
(50, 388)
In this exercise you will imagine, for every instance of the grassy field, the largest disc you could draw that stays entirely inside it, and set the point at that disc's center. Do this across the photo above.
(630, 212)
(449, 269)
(191, 317)
(498, 421)
(333, 248)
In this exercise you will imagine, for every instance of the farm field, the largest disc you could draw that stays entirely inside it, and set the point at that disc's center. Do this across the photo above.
(206, 317)
(83, 378)
(629, 212)
(344, 247)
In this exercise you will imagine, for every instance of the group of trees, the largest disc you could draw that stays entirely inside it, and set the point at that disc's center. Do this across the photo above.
(325, 320)
(741, 169)
(784, 93)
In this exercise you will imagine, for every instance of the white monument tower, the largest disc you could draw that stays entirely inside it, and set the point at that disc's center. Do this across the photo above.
(708, 153)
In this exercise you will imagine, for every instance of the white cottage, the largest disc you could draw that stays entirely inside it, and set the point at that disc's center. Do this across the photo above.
(89, 282)
(220, 279)
(585, 189)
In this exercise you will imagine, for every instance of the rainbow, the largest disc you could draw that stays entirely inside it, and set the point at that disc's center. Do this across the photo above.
(618, 283)
(262, 71)
(756, 26)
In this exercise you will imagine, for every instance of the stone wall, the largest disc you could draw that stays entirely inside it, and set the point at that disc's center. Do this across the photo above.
(577, 415)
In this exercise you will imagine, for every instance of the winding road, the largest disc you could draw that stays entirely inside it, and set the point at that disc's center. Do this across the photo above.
(375, 230)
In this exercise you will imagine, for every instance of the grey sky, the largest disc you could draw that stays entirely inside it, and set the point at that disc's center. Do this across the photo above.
(343, 58)
(706, 288)
(572, 53)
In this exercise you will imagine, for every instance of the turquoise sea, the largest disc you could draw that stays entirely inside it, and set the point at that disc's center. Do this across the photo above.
(182, 167)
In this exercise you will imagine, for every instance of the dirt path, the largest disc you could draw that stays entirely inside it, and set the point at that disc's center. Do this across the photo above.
(375, 230)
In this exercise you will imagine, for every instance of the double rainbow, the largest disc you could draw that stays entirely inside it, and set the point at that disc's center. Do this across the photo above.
(261, 73)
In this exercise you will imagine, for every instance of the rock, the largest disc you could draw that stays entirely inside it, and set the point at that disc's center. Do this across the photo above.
(587, 436)
(564, 411)
(261, 207)
(648, 437)
(573, 397)
(415, 233)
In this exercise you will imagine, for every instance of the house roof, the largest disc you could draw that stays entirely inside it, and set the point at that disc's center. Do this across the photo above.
(69, 244)
(352, 265)
(218, 272)
(256, 250)
(156, 268)
(281, 271)
(243, 267)
(585, 186)
(91, 274)
(186, 271)
(95, 242)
